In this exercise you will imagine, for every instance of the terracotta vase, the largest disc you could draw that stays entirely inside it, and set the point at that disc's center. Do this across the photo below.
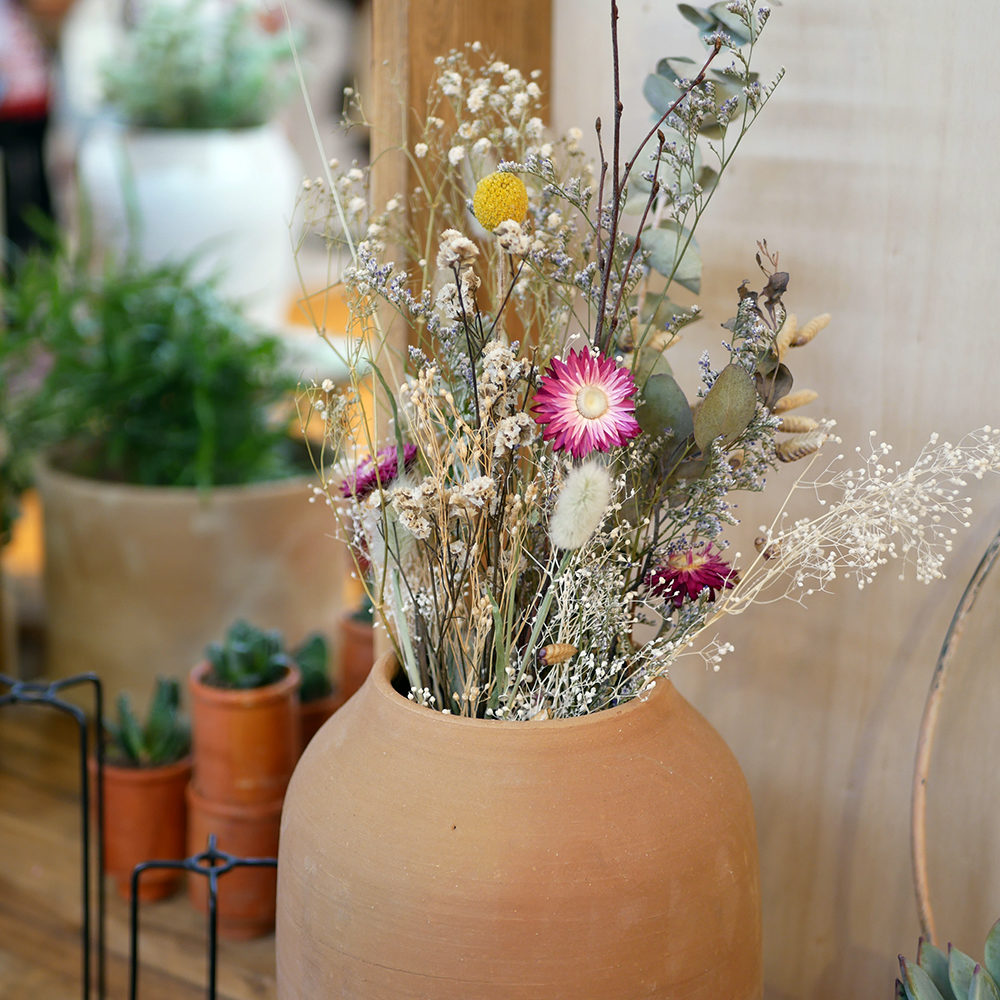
(357, 653)
(139, 579)
(610, 857)
(145, 819)
(312, 714)
(246, 900)
(244, 742)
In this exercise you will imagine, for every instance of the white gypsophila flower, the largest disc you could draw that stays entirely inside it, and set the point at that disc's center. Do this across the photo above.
(420, 150)
(481, 146)
(456, 250)
(455, 155)
(477, 97)
(511, 238)
(354, 174)
(534, 91)
(534, 128)
(356, 205)
(581, 505)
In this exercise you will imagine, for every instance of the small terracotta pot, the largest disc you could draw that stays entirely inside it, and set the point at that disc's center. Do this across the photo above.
(145, 817)
(314, 713)
(610, 857)
(245, 742)
(246, 895)
(357, 654)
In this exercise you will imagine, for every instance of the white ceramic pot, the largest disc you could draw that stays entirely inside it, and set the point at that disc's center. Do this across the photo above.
(226, 195)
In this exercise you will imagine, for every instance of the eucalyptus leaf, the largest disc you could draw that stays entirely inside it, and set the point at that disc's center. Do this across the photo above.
(935, 963)
(649, 361)
(772, 385)
(698, 16)
(677, 68)
(991, 957)
(663, 244)
(982, 986)
(727, 409)
(659, 92)
(916, 982)
(960, 969)
(734, 27)
(664, 407)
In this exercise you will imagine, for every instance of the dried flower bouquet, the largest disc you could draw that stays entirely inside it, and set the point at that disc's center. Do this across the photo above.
(542, 528)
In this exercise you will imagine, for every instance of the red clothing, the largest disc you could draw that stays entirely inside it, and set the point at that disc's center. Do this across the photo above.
(24, 81)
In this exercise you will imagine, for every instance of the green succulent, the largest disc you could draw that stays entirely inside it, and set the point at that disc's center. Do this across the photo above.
(163, 739)
(953, 976)
(312, 658)
(249, 657)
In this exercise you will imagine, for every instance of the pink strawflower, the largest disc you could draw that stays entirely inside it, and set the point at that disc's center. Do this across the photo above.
(380, 470)
(687, 574)
(586, 404)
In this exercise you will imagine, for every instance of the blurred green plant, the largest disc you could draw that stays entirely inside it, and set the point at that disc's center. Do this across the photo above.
(164, 738)
(248, 657)
(313, 660)
(937, 975)
(138, 375)
(195, 66)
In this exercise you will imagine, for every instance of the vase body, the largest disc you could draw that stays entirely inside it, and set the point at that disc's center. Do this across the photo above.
(609, 858)
(145, 819)
(139, 579)
(224, 196)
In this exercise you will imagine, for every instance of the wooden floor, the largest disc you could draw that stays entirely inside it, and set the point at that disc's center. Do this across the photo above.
(40, 890)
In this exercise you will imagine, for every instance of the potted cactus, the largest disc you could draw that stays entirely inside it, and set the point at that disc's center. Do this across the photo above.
(319, 697)
(937, 975)
(146, 770)
(245, 720)
(357, 646)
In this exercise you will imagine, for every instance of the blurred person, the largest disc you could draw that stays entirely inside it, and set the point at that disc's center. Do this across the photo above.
(24, 116)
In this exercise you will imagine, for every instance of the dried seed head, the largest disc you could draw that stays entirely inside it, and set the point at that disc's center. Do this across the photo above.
(797, 425)
(771, 551)
(800, 445)
(801, 397)
(785, 335)
(736, 458)
(556, 652)
(810, 330)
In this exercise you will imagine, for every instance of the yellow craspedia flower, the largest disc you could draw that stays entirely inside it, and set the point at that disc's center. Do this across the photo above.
(500, 196)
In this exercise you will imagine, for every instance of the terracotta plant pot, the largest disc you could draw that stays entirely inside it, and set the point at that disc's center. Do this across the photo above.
(610, 857)
(139, 579)
(312, 714)
(145, 819)
(246, 898)
(357, 654)
(244, 742)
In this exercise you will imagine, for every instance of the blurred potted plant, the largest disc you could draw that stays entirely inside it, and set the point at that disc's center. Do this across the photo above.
(357, 646)
(195, 161)
(319, 697)
(147, 766)
(245, 718)
(173, 498)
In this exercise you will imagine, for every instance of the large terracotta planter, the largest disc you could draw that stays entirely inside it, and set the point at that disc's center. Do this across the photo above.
(609, 858)
(144, 820)
(138, 580)
(245, 904)
(244, 743)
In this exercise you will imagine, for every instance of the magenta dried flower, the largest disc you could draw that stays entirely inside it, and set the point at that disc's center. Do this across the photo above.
(378, 471)
(689, 573)
(586, 404)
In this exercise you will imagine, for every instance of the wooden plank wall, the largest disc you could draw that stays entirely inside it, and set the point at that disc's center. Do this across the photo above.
(873, 173)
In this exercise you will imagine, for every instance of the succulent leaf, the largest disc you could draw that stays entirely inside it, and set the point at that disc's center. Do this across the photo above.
(935, 963)
(917, 984)
(982, 986)
(992, 952)
(960, 969)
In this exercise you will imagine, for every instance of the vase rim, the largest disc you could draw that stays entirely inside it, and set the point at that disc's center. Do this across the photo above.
(386, 667)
